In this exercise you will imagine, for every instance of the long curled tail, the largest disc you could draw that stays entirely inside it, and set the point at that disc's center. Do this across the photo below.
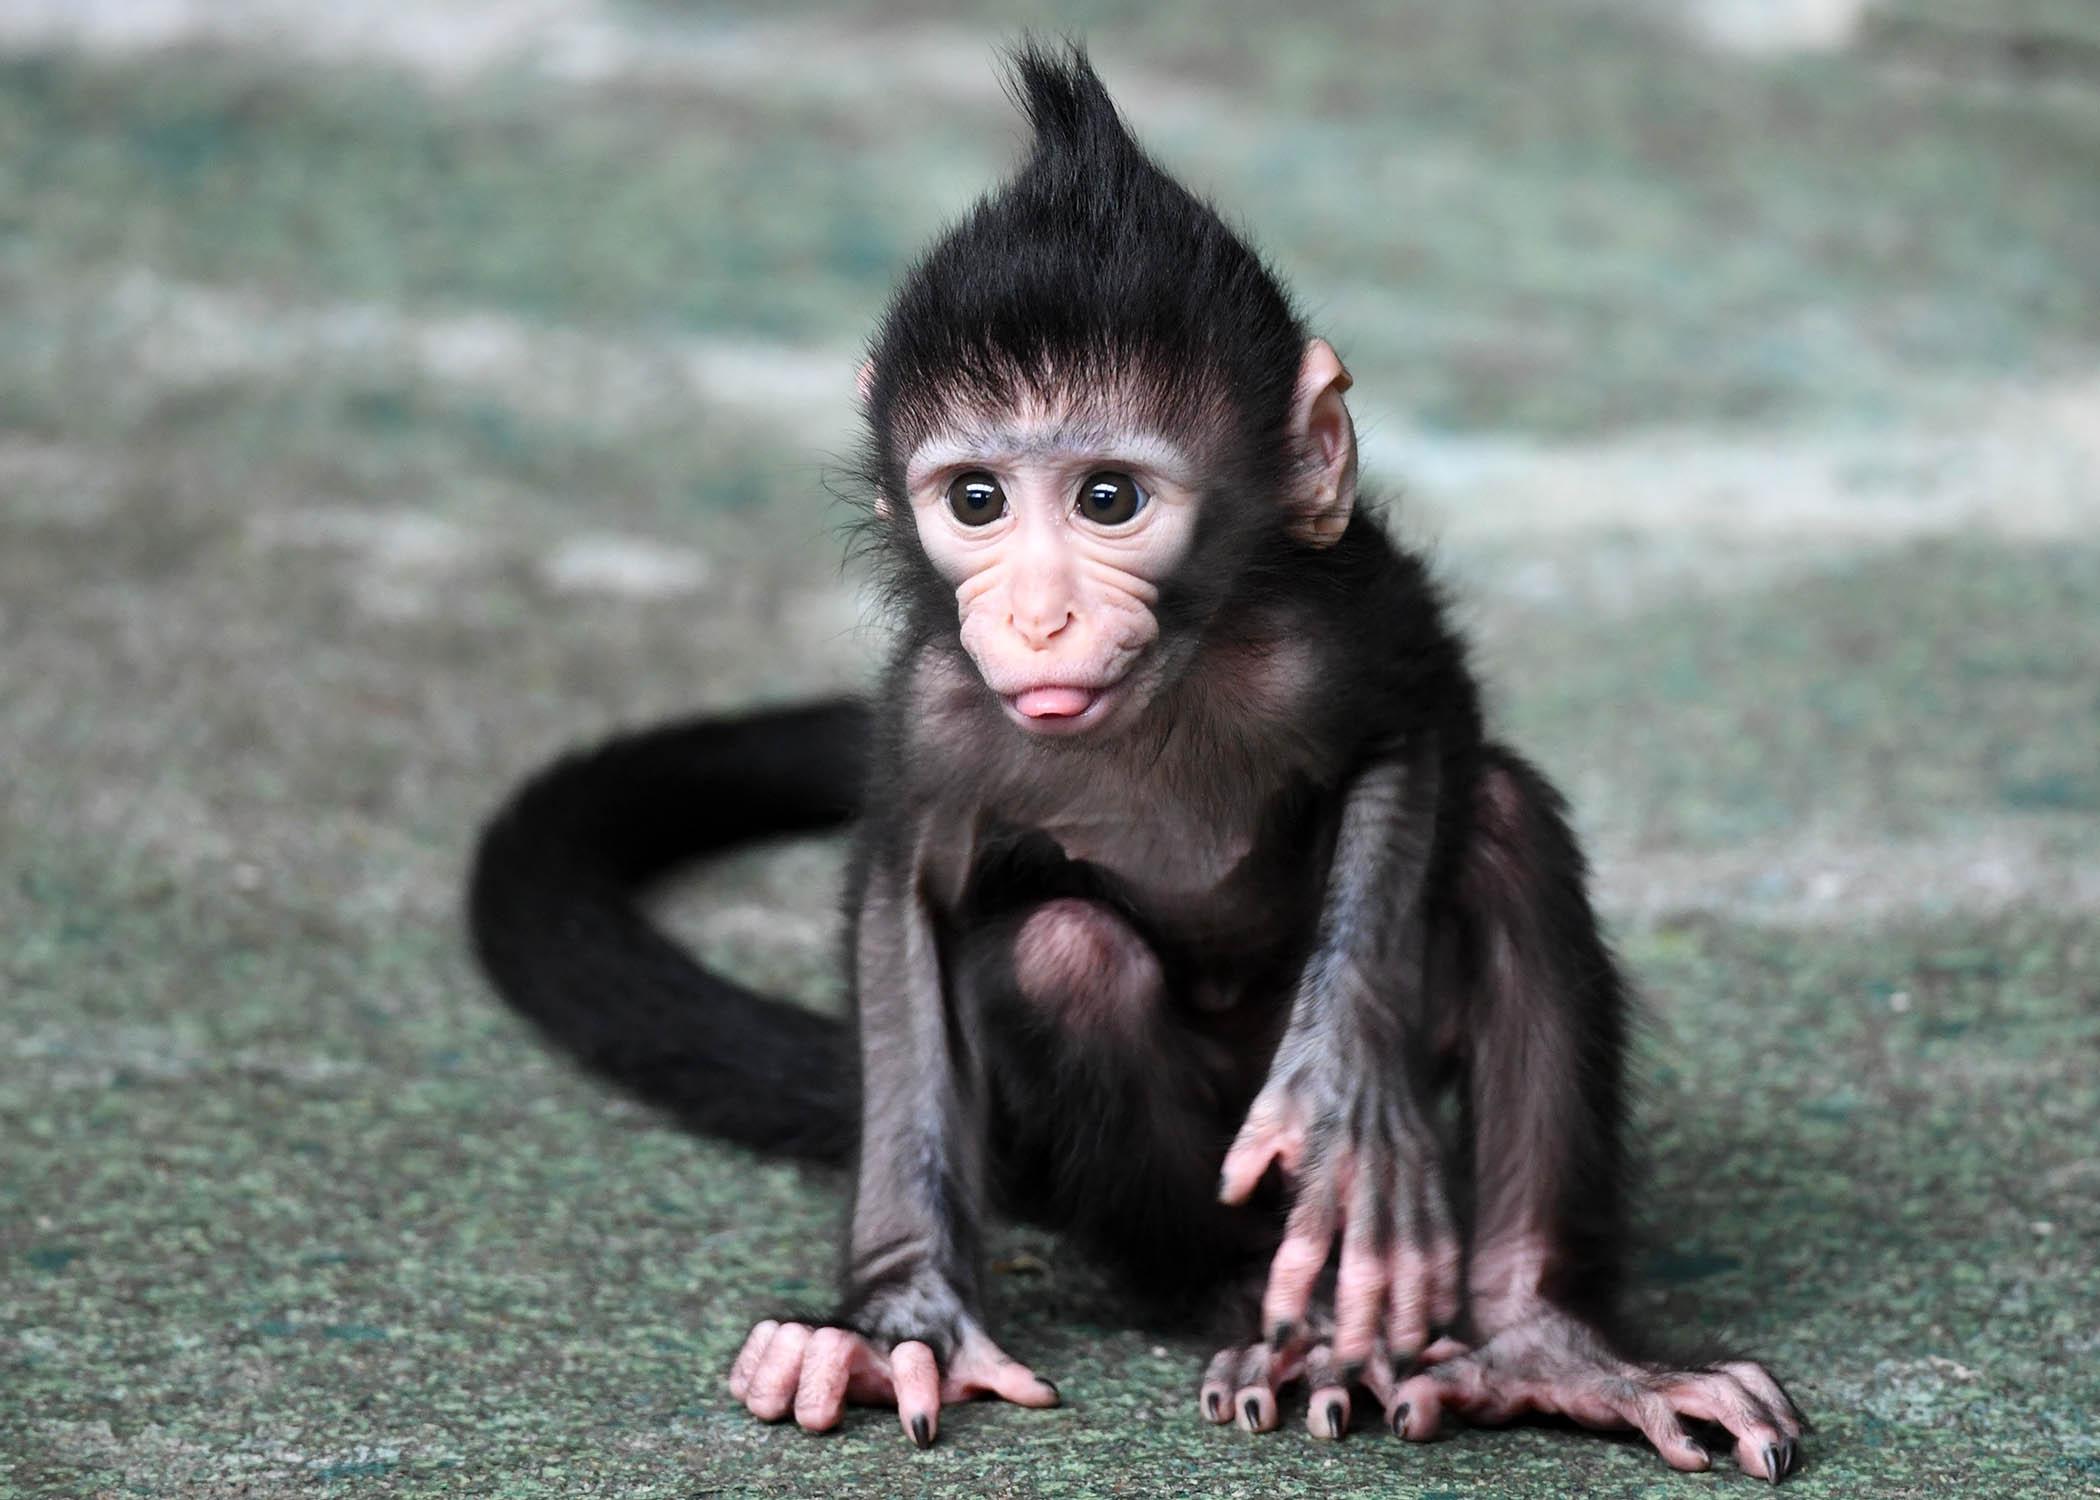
(552, 908)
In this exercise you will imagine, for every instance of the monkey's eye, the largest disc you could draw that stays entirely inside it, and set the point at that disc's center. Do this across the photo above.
(1110, 499)
(976, 498)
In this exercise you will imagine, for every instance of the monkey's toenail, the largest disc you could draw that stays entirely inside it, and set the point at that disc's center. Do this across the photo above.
(922, 1432)
(1400, 1416)
(1210, 1406)
(1334, 1419)
(1252, 1408)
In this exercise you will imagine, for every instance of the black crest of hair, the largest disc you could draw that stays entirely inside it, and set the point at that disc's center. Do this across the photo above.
(1090, 264)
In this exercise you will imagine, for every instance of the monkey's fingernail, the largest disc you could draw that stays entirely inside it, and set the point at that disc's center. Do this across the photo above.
(1400, 1417)
(1055, 1394)
(1772, 1468)
(922, 1431)
(1334, 1419)
(1698, 1451)
(1789, 1455)
(1210, 1406)
(1252, 1409)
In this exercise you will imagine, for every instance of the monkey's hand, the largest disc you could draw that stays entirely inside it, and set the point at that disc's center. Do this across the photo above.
(1365, 1167)
(814, 1372)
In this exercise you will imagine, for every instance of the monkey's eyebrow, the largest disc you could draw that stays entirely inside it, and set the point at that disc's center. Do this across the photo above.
(1018, 442)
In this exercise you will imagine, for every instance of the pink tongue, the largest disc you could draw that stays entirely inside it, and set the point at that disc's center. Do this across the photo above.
(1053, 702)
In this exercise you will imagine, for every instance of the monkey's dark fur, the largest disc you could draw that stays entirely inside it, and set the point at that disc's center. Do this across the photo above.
(1089, 265)
(1158, 275)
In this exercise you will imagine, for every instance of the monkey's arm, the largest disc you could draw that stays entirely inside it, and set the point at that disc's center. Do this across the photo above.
(907, 1330)
(1345, 1109)
(912, 1268)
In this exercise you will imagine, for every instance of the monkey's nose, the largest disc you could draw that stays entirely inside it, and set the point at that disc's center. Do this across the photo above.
(1039, 630)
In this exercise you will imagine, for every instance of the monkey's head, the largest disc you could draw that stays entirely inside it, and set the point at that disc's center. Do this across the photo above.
(1093, 412)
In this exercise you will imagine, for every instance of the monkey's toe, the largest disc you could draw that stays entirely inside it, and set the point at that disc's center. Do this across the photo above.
(1327, 1407)
(1245, 1384)
(1239, 1385)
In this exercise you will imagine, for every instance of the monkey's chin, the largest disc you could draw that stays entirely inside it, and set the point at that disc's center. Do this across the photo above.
(1059, 712)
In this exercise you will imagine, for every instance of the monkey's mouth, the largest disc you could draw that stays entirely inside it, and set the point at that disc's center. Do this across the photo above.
(1061, 708)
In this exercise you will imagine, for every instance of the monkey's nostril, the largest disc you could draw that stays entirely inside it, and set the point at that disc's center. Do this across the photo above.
(1038, 631)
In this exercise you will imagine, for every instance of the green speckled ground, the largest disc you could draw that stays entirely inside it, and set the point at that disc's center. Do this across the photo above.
(386, 401)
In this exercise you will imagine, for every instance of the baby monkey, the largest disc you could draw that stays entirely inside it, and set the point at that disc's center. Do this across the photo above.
(1192, 911)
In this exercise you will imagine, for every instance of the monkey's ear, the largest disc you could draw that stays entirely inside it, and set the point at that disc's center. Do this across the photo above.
(1325, 492)
(864, 384)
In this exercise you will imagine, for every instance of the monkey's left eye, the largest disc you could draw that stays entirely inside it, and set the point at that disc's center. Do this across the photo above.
(1110, 499)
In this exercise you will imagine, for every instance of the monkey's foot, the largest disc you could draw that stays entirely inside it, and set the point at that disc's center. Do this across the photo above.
(1242, 1384)
(814, 1372)
(1552, 1363)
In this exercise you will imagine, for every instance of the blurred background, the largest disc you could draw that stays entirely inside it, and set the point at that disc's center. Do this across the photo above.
(393, 395)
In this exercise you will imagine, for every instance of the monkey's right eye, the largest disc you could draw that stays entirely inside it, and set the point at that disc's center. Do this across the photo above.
(976, 498)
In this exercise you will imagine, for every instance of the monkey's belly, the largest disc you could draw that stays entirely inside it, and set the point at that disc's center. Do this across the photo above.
(1114, 1095)
(1081, 964)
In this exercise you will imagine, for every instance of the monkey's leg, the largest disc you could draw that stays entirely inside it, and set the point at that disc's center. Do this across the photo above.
(907, 1331)
(1545, 1059)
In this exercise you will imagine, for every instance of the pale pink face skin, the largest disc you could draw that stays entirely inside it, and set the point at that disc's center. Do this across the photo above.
(1056, 609)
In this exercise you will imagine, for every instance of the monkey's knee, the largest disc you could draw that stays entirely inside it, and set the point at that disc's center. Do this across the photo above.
(1521, 840)
(1082, 964)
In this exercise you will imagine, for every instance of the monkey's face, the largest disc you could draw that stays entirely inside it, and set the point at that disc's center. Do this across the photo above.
(1056, 529)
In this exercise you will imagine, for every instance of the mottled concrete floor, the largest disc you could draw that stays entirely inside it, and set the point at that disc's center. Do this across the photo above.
(391, 396)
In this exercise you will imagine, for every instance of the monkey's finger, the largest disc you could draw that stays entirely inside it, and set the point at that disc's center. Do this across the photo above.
(1215, 1396)
(779, 1372)
(1443, 1283)
(1308, 1239)
(1444, 1348)
(980, 1367)
(748, 1357)
(1407, 1310)
(917, 1378)
(1254, 1399)
(1363, 1280)
(1439, 1245)
(1327, 1410)
(1260, 1141)
(827, 1370)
